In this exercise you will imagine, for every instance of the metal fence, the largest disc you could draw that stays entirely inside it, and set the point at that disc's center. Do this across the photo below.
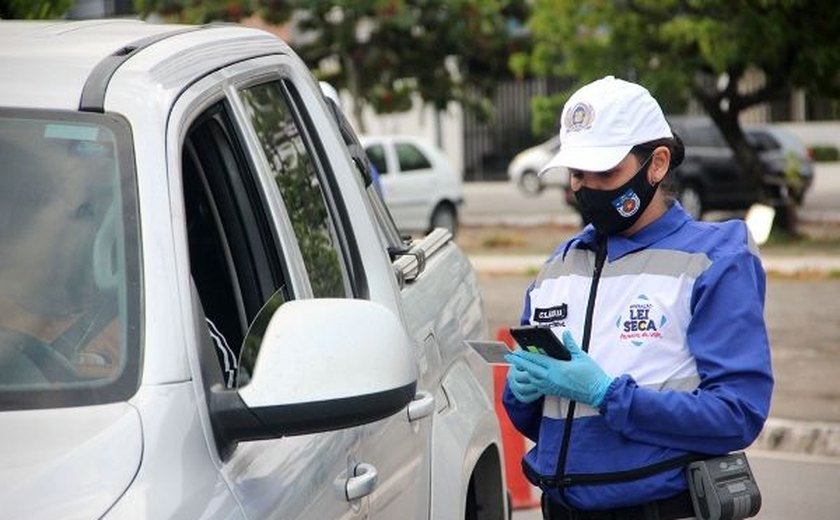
(489, 146)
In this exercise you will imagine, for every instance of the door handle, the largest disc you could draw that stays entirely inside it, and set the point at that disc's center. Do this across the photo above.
(422, 405)
(362, 483)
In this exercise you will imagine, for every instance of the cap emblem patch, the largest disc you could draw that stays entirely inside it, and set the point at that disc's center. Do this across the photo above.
(579, 117)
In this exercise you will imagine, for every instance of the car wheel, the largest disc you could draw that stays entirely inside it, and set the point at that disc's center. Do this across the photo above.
(692, 201)
(445, 216)
(530, 183)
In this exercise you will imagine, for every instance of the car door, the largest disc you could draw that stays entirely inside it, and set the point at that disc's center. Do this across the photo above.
(396, 450)
(245, 254)
(410, 184)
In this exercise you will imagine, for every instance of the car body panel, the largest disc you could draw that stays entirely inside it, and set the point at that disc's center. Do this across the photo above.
(177, 478)
(458, 429)
(73, 53)
(171, 463)
(68, 462)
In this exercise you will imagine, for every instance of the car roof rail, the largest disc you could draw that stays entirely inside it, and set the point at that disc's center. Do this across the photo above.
(93, 93)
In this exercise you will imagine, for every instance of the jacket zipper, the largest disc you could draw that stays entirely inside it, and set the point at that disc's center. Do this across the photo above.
(600, 258)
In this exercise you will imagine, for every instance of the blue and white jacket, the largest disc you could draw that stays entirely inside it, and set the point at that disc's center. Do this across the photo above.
(678, 321)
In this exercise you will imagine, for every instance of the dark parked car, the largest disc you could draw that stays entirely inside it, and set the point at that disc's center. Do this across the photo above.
(710, 177)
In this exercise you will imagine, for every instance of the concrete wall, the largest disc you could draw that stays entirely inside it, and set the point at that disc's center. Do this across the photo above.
(816, 132)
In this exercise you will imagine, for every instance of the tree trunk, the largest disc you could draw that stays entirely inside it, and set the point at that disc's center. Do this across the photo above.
(787, 218)
(747, 157)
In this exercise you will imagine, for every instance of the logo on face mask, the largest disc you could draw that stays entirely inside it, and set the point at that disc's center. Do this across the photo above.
(643, 322)
(627, 204)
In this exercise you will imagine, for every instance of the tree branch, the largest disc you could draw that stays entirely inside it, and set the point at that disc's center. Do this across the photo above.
(774, 87)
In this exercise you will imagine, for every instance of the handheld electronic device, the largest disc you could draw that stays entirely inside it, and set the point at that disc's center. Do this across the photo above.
(541, 340)
(723, 488)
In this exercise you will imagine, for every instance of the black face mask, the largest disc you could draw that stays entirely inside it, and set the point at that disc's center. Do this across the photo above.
(614, 211)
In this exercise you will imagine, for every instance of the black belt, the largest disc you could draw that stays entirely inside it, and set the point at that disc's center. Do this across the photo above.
(677, 506)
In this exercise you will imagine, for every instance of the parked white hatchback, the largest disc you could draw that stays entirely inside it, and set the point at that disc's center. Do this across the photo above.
(205, 309)
(419, 184)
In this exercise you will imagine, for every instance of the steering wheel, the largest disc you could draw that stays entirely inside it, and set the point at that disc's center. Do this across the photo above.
(21, 352)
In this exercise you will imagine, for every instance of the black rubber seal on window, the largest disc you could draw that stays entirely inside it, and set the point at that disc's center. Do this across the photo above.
(93, 93)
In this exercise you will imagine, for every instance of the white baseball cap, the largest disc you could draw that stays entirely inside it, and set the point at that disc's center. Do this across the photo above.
(602, 121)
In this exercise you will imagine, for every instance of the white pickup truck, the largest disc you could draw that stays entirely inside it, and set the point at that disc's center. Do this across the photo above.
(205, 309)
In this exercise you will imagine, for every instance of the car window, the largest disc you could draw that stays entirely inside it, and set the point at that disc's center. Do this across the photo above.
(301, 187)
(708, 136)
(762, 141)
(69, 263)
(376, 154)
(233, 261)
(410, 158)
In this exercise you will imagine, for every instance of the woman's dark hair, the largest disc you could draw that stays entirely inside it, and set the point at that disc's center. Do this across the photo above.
(675, 144)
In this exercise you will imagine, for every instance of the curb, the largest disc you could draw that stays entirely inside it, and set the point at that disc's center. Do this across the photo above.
(812, 438)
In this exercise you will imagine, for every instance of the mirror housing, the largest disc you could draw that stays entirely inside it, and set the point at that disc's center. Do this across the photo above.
(323, 364)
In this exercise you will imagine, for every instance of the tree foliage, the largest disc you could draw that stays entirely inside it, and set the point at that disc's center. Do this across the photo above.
(196, 11)
(701, 48)
(385, 51)
(33, 9)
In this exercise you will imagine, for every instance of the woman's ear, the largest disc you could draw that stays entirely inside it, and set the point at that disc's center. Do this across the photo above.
(659, 164)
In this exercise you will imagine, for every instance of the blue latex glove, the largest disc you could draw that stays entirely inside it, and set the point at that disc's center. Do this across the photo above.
(521, 386)
(579, 379)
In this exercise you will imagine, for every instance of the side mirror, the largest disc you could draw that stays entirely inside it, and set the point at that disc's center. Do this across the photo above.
(323, 364)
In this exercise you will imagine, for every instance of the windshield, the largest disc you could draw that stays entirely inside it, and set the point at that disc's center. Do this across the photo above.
(69, 296)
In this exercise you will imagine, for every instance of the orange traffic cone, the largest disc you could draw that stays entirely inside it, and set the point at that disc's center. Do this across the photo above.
(522, 493)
